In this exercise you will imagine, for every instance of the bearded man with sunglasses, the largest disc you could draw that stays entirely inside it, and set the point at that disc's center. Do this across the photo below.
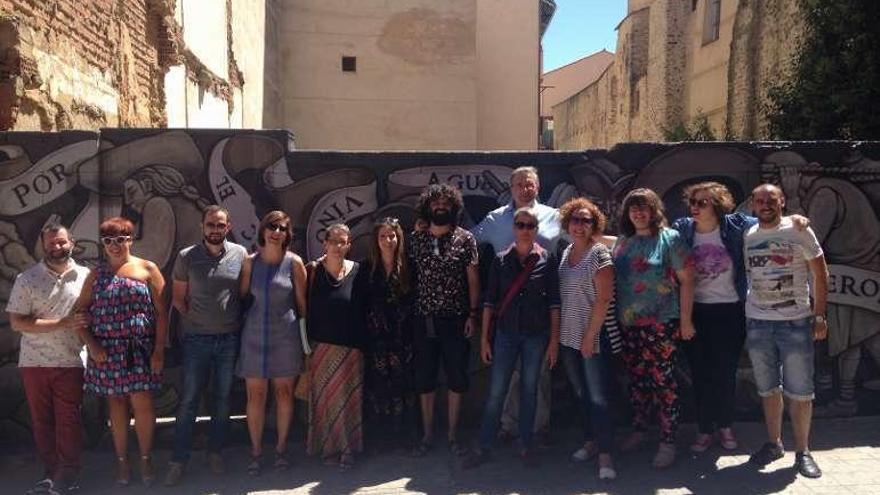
(205, 292)
(49, 360)
(496, 229)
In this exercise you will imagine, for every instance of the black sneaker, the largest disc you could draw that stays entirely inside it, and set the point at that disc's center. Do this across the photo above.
(769, 452)
(806, 465)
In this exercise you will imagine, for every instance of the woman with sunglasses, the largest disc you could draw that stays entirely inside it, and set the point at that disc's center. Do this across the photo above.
(126, 341)
(271, 348)
(655, 290)
(389, 389)
(716, 237)
(520, 323)
(586, 277)
(337, 305)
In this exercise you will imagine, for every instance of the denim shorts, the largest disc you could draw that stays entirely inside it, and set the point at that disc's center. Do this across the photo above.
(782, 356)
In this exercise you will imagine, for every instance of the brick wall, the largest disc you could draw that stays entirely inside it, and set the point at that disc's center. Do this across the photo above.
(96, 63)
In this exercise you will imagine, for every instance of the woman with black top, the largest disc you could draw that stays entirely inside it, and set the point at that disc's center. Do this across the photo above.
(336, 308)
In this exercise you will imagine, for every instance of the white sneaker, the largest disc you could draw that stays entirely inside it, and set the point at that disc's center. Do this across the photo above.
(607, 473)
(584, 454)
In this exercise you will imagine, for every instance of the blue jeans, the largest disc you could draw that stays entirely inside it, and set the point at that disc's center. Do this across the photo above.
(508, 347)
(589, 383)
(782, 356)
(204, 355)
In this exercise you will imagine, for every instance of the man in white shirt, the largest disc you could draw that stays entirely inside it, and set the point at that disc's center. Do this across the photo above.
(49, 360)
(783, 264)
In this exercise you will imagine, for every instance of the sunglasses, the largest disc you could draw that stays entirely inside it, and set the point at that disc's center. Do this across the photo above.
(118, 240)
(700, 203)
(276, 227)
(525, 226)
(582, 221)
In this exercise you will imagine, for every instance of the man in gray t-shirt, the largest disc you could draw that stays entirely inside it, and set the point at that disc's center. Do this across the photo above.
(206, 294)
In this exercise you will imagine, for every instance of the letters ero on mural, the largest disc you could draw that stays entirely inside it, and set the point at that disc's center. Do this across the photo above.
(163, 179)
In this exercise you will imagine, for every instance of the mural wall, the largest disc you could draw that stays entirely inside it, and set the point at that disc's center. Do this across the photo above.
(163, 179)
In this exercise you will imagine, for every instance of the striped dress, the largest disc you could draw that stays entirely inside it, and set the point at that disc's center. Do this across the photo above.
(578, 293)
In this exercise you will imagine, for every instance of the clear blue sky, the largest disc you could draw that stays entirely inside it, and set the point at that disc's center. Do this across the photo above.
(579, 28)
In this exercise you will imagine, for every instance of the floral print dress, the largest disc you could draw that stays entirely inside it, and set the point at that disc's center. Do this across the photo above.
(123, 321)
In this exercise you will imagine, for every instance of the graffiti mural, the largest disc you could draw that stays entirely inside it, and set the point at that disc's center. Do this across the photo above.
(163, 179)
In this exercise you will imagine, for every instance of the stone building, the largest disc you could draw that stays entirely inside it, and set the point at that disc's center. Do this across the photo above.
(678, 62)
(69, 64)
(340, 74)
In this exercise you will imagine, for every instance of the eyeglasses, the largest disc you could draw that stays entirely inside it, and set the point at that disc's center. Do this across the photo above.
(276, 227)
(700, 203)
(216, 226)
(525, 226)
(118, 240)
(582, 221)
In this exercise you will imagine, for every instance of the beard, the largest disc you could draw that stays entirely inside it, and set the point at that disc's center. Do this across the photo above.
(59, 256)
(214, 239)
(441, 217)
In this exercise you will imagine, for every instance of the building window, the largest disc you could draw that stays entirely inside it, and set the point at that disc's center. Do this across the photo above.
(349, 64)
(712, 21)
(694, 5)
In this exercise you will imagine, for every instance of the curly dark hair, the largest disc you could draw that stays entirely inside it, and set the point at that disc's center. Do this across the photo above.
(577, 204)
(722, 200)
(639, 197)
(440, 191)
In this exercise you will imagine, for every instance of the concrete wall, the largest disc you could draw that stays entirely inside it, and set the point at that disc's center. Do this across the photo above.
(508, 70)
(430, 75)
(836, 184)
(415, 84)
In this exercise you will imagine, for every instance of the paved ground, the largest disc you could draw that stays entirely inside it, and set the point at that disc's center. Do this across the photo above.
(847, 450)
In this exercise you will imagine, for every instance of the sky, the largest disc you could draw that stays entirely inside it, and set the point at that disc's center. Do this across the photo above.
(579, 28)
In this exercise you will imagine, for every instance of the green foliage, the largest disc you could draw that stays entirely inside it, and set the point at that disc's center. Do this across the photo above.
(835, 89)
(698, 130)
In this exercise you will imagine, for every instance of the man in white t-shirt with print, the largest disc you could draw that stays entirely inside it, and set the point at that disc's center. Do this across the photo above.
(49, 358)
(782, 265)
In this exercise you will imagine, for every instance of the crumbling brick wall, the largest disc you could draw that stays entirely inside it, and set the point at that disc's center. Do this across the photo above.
(79, 64)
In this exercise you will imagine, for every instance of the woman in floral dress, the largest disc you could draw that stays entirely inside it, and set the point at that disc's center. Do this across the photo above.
(126, 332)
(389, 392)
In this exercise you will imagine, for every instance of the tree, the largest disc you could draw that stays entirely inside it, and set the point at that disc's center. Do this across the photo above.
(835, 89)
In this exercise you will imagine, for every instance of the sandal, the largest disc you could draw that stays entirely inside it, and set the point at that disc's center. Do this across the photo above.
(148, 475)
(281, 461)
(346, 462)
(254, 467)
(123, 471)
(422, 449)
(456, 448)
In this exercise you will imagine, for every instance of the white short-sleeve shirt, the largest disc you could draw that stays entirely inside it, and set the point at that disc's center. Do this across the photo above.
(43, 293)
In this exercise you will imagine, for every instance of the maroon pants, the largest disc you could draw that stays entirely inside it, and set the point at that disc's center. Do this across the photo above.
(55, 397)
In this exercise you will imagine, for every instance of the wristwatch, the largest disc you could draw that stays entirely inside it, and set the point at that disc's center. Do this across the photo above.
(819, 319)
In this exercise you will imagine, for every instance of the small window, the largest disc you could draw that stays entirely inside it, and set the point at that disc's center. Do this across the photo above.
(349, 64)
(694, 5)
(712, 21)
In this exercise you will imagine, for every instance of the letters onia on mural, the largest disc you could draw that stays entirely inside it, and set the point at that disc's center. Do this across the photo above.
(163, 179)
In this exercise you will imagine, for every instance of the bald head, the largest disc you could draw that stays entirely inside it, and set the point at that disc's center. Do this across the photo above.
(767, 202)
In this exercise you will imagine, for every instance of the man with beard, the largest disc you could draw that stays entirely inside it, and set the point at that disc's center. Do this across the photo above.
(445, 263)
(49, 360)
(206, 294)
(781, 324)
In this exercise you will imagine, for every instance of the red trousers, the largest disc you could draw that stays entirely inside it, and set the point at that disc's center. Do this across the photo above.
(55, 399)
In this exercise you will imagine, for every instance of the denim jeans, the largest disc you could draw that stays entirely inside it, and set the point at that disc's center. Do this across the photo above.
(508, 347)
(589, 383)
(205, 355)
(782, 354)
